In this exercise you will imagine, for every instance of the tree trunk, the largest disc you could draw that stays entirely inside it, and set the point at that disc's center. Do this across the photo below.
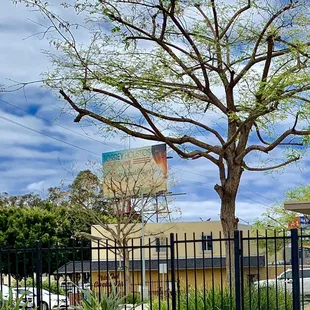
(127, 287)
(229, 225)
(228, 194)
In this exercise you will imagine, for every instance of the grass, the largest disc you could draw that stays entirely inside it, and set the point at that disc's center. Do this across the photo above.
(218, 299)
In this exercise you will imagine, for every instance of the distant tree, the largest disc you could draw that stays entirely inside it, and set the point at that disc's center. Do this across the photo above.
(29, 199)
(86, 190)
(23, 227)
(300, 193)
(57, 196)
(274, 221)
(129, 211)
(52, 221)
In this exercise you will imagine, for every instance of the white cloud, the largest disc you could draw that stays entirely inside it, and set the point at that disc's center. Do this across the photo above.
(36, 187)
(196, 210)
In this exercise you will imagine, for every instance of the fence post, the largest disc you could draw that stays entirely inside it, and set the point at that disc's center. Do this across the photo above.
(172, 258)
(237, 269)
(295, 269)
(38, 274)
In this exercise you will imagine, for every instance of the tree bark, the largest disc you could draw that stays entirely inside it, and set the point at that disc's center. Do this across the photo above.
(228, 194)
(127, 288)
(229, 225)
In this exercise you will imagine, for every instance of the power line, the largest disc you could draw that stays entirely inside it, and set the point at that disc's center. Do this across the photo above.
(195, 173)
(85, 136)
(202, 183)
(83, 149)
(48, 136)
(55, 124)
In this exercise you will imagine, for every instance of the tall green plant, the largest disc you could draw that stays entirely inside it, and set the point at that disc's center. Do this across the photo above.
(222, 299)
(12, 303)
(112, 301)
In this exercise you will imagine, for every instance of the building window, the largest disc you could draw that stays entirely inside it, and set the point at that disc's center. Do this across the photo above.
(161, 244)
(206, 243)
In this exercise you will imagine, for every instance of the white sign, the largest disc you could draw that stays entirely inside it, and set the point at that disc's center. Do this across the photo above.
(162, 268)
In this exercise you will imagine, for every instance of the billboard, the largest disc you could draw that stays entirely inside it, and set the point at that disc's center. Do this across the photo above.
(134, 172)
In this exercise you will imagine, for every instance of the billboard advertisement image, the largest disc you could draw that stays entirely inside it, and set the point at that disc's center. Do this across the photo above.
(134, 172)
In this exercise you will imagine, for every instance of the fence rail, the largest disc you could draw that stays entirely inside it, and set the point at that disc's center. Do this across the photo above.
(179, 272)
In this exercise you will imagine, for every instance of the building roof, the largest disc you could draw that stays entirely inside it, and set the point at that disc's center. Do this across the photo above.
(136, 265)
(298, 206)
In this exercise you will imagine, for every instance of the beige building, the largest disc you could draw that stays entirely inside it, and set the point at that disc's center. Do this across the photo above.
(194, 239)
(199, 257)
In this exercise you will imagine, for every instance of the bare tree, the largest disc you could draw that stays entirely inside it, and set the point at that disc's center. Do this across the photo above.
(162, 70)
(129, 211)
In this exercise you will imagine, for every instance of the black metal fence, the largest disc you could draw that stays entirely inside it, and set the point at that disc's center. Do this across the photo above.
(180, 272)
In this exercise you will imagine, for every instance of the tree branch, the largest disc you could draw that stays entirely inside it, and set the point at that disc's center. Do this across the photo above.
(292, 92)
(275, 143)
(206, 19)
(234, 17)
(246, 167)
(252, 59)
(196, 50)
(216, 41)
(270, 44)
(165, 48)
(268, 143)
(164, 42)
(156, 114)
(155, 137)
(269, 22)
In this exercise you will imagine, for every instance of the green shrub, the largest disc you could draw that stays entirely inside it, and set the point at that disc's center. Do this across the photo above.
(218, 299)
(133, 299)
(53, 287)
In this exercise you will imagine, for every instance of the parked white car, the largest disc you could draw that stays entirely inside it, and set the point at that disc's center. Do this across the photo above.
(285, 281)
(49, 300)
(4, 292)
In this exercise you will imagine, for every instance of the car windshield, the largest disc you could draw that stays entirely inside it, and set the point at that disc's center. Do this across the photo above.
(22, 291)
(286, 275)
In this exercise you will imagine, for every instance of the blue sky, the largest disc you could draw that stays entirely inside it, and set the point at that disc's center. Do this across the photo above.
(30, 160)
